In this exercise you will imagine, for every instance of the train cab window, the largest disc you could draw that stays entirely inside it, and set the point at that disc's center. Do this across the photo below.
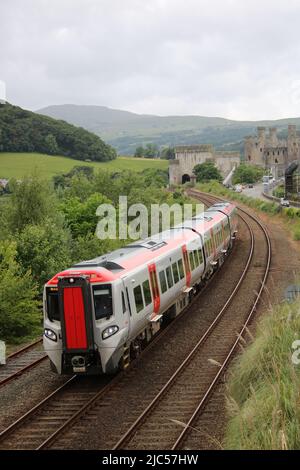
(52, 304)
(169, 277)
(138, 297)
(102, 301)
(163, 282)
(123, 302)
(180, 268)
(175, 272)
(192, 261)
(147, 293)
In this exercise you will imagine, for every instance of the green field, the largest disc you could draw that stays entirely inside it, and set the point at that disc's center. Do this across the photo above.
(18, 165)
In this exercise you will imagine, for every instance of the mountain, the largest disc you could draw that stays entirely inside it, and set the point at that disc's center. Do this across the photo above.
(126, 130)
(25, 131)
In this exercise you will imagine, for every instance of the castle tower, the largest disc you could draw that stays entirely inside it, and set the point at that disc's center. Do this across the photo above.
(248, 149)
(293, 147)
(261, 132)
(273, 137)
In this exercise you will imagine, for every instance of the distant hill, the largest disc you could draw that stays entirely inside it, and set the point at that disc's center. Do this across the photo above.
(25, 131)
(125, 130)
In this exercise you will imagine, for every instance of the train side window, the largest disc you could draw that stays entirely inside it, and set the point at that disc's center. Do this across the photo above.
(196, 258)
(147, 292)
(123, 302)
(180, 267)
(163, 282)
(192, 261)
(138, 297)
(200, 255)
(175, 272)
(169, 277)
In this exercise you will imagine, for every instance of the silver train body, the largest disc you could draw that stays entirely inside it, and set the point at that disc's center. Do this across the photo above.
(101, 313)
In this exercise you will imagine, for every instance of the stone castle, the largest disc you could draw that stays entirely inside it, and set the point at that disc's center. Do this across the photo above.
(188, 156)
(267, 151)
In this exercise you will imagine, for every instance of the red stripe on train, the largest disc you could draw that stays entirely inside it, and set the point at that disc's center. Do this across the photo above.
(186, 262)
(154, 287)
(74, 315)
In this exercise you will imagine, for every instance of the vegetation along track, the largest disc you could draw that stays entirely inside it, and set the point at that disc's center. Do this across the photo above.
(21, 361)
(101, 416)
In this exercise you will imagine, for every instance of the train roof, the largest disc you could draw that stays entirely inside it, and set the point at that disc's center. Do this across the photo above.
(118, 263)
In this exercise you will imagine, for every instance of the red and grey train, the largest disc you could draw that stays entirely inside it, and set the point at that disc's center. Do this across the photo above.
(102, 312)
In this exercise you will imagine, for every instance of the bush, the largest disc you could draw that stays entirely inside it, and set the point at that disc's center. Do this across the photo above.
(19, 313)
(207, 171)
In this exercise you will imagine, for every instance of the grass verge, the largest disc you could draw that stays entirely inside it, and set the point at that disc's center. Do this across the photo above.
(264, 386)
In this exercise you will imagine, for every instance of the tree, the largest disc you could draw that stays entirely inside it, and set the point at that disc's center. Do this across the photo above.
(247, 174)
(207, 171)
(168, 153)
(51, 144)
(32, 201)
(151, 151)
(139, 152)
(19, 313)
(81, 216)
(44, 249)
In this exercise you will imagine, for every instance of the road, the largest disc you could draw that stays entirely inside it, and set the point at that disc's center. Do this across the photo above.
(256, 192)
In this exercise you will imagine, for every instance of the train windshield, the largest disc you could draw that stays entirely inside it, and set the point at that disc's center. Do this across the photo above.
(103, 301)
(52, 304)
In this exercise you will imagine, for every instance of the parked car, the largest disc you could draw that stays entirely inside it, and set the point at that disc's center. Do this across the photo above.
(284, 202)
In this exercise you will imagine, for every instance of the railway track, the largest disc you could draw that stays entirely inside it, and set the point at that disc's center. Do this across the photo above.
(21, 361)
(168, 420)
(71, 410)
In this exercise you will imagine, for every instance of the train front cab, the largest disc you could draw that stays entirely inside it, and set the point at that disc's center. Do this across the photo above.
(86, 325)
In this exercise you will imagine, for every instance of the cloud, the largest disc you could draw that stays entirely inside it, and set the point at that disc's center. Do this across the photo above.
(209, 57)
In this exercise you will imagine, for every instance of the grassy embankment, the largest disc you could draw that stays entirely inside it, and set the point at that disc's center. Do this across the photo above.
(289, 216)
(264, 383)
(18, 165)
(264, 386)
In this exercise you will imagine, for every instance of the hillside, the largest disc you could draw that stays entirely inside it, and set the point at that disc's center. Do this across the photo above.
(25, 131)
(125, 130)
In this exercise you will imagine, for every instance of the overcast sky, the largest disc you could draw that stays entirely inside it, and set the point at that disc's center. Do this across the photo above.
(232, 58)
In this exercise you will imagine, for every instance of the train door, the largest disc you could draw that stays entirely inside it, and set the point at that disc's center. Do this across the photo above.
(126, 313)
(187, 268)
(154, 289)
(213, 242)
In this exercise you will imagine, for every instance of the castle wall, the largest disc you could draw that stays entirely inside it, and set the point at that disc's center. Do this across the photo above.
(187, 157)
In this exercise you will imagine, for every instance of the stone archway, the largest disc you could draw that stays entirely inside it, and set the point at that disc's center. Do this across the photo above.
(186, 178)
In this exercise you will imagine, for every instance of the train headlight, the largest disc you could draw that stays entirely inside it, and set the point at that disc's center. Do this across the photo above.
(111, 330)
(50, 334)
